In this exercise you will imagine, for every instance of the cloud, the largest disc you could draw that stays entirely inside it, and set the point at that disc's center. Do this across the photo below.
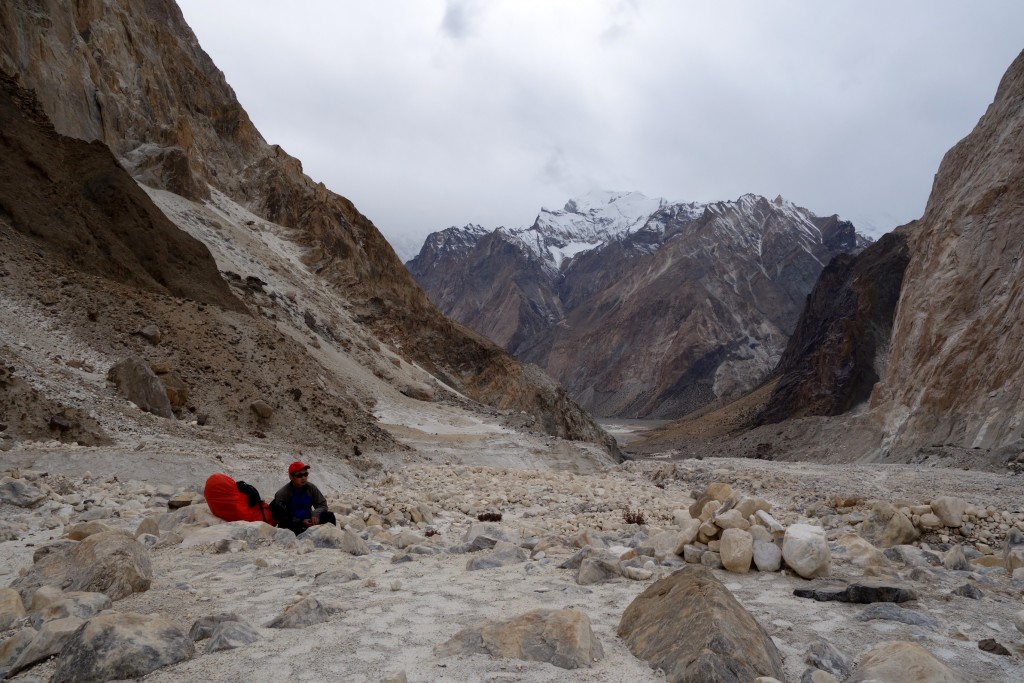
(459, 18)
(430, 113)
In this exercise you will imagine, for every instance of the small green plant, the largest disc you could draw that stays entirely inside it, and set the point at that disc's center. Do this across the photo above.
(631, 516)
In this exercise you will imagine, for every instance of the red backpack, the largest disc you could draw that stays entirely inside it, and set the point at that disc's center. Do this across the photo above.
(235, 501)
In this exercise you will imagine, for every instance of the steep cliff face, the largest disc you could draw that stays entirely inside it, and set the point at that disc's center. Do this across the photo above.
(133, 76)
(640, 307)
(838, 350)
(956, 365)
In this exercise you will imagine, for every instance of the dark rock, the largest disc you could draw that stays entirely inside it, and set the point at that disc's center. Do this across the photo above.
(60, 423)
(969, 590)
(260, 407)
(141, 386)
(993, 646)
(151, 333)
(863, 592)
(832, 360)
(119, 645)
(692, 628)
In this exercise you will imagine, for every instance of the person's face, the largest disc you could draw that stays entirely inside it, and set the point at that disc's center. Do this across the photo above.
(300, 478)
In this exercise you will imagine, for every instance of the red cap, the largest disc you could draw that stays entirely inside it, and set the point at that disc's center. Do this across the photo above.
(296, 466)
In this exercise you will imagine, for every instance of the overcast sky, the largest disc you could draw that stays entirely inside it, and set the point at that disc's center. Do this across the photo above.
(431, 113)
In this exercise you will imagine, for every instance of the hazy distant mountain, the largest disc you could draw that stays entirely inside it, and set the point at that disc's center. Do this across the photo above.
(640, 307)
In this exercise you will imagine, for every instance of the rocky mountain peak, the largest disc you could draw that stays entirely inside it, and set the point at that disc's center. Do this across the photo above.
(639, 306)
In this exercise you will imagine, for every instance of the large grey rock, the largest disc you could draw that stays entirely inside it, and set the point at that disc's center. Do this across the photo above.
(228, 635)
(140, 385)
(902, 662)
(559, 637)
(117, 645)
(21, 493)
(805, 550)
(111, 562)
(692, 628)
(503, 555)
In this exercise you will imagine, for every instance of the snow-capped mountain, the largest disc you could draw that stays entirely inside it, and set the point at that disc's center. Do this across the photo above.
(639, 306)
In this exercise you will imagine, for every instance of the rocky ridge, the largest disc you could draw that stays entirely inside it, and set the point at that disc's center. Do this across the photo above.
(639, 307)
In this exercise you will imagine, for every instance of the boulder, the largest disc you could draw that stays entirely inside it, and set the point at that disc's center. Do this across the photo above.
(827, 657)
(669, 543)
(562, 638)
(112, 562)
(955, 559)
(140, 385)
(504, 554)
(692, 628)
(12, 647)
(767, 556)
(949, 510)
(859, 552)
(902, 662)
(83, 530)
(736, 550)
(20, 493)
(228, 635)
(303, 613)
(11, 608)
(888, 611)
(715, 492)
(47, 641)
(863, 591)
(805, 550)
(80, 604)
(1013, 550)
(887, 527)
(117, 645)
(203, 626)
(598, 570)
(731, 519)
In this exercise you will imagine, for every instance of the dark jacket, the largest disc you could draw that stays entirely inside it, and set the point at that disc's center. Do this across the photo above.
(283, 497)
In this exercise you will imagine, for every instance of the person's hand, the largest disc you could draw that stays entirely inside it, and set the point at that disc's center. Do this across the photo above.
(308, 522)
(316, 520)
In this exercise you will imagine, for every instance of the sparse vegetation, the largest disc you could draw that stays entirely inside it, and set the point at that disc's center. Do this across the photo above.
(631, 516)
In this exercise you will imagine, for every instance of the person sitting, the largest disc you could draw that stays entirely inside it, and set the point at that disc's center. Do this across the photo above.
(299, 505)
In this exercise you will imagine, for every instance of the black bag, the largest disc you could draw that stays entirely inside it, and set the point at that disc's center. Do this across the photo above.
(251, 494)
